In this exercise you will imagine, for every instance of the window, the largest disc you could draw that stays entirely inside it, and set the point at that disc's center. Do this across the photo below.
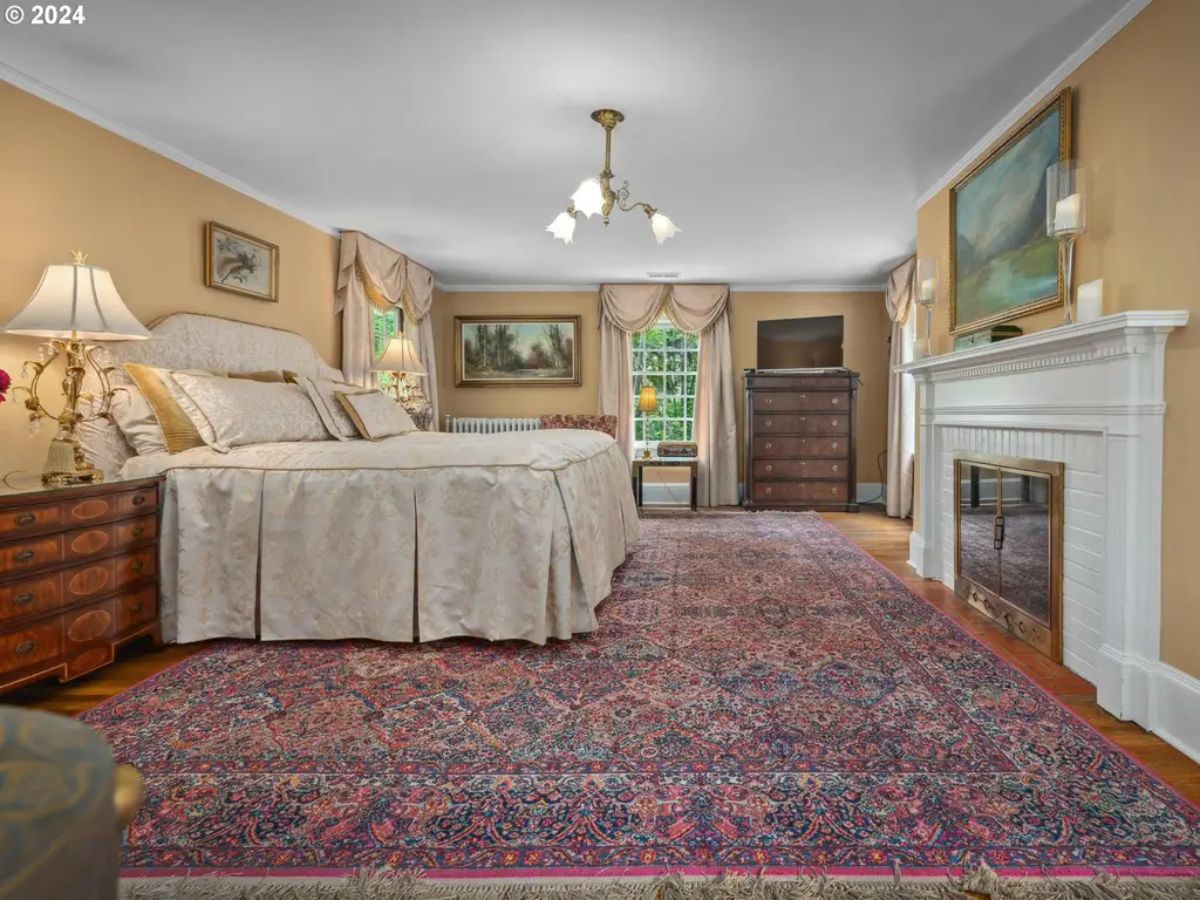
(385, 324)
(667, 358)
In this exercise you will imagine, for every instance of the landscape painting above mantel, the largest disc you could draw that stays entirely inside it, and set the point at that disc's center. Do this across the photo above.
(516, 350)
(1002, 263)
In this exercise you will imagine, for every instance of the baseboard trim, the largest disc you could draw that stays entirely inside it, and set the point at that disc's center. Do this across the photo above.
(1155, 695)
(870, 492)
(1175, 709)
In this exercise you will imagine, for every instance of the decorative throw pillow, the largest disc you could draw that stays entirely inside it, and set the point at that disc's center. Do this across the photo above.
(323, 395)
(183, 424)
(244, 412)
(136, 420)
(375, 414)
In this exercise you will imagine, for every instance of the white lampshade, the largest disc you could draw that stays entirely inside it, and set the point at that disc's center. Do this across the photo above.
(663, 227)
(563, 227)
(399, 356)
(77, 301)
(588, 197)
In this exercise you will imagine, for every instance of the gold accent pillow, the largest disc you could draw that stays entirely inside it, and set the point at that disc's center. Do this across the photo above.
(268, 377)
(180, 419)
(375, 414)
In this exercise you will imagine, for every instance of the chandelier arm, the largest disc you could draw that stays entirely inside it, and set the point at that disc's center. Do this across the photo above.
(627, 205)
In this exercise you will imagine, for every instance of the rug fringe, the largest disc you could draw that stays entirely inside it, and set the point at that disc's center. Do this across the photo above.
(982, 884)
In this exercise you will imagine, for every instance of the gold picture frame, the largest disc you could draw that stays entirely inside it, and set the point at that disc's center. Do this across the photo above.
(510, 351)
(240, 263)
(1061, 105)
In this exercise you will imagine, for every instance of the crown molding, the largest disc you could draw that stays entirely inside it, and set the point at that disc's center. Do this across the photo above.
(1106, 33)
(803, 288)
(51, 95)
(593, 288)
(516, 288)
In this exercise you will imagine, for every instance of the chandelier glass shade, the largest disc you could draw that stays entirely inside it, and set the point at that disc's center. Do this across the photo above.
(595, 195)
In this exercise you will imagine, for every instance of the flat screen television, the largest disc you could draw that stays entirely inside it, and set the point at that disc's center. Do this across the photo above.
(811, 343)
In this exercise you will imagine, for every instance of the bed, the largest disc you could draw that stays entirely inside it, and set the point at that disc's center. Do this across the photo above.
(422, 536)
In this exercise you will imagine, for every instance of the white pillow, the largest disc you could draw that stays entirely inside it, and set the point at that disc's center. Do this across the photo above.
(322, 393)
(137, 421)
(375, 414)
(243, 412)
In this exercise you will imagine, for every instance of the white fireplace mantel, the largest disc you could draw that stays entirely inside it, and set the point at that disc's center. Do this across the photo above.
(1089, 395)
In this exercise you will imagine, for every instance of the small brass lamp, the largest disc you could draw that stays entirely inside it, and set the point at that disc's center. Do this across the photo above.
(647, 403)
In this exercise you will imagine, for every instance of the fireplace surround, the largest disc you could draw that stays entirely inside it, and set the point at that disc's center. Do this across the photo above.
(1090, 396)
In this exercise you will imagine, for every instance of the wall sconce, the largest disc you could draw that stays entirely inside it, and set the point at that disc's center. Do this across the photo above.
(928, 293)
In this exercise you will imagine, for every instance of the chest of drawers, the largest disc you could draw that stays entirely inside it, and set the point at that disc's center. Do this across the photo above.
(800, 434)
(78, 577)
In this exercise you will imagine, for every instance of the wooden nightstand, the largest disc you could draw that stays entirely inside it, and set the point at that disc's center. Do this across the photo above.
(78, 576)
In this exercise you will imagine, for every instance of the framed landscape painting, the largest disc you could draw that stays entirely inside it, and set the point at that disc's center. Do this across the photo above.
(516, 350)
(1002, 263)
(238, 262)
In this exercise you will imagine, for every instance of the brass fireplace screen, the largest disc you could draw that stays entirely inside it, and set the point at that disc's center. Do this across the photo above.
(1008, 523)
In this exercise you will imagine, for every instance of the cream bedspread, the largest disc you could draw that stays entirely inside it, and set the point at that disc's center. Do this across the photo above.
(493, 536)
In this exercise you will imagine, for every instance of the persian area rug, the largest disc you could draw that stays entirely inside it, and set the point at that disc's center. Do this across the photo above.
(761, 697)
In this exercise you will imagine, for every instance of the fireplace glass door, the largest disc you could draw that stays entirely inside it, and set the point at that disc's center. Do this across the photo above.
(1008, 544)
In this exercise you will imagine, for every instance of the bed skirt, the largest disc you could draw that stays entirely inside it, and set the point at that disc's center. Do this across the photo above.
(393, 554)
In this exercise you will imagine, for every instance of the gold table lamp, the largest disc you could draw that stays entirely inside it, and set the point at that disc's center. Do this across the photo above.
(647, 403)
(400, 359)
(73, 303)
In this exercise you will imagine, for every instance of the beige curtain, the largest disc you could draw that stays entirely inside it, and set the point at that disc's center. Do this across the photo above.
(697, 309)
(370, 272)
(902, 415)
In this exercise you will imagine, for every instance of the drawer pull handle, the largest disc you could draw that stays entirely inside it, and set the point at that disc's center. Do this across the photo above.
(804, 418)
(835, 401)
(770, 400)
(137, 565)
(139, 530)
(24, 556)
(768, 490)
(25, 648)
(23, 599)
(136, 606)
(835, 445)
(139, 499)
(803, 463)
(768, 423)
(835, 468)
(804, 396)
(26, 518)
(769, 445)
(835, 490)
(835, 423)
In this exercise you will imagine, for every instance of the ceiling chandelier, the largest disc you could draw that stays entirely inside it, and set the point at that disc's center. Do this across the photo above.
(595, 195)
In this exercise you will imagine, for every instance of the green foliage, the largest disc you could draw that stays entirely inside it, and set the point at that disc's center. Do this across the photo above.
(667, 358)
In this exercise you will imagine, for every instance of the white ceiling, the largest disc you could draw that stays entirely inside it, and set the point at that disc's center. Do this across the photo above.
(789, 140)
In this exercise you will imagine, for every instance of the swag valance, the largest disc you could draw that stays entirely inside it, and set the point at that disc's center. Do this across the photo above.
(372, 273)
(701, 309)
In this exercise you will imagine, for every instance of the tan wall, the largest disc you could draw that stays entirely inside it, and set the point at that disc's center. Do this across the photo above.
(1137, 123)
(68, 184)
(867, 330)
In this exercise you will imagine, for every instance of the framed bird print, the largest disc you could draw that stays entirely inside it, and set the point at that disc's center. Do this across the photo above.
(241, 263)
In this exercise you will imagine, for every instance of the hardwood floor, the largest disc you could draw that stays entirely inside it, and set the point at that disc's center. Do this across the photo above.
(885, 539)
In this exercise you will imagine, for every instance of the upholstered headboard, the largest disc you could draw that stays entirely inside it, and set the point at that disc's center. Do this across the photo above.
(195, 341)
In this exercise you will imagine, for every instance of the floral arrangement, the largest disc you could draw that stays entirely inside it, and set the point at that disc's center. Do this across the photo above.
(5, 382)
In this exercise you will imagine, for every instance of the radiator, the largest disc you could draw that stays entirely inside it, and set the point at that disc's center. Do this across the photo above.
(489, 424)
